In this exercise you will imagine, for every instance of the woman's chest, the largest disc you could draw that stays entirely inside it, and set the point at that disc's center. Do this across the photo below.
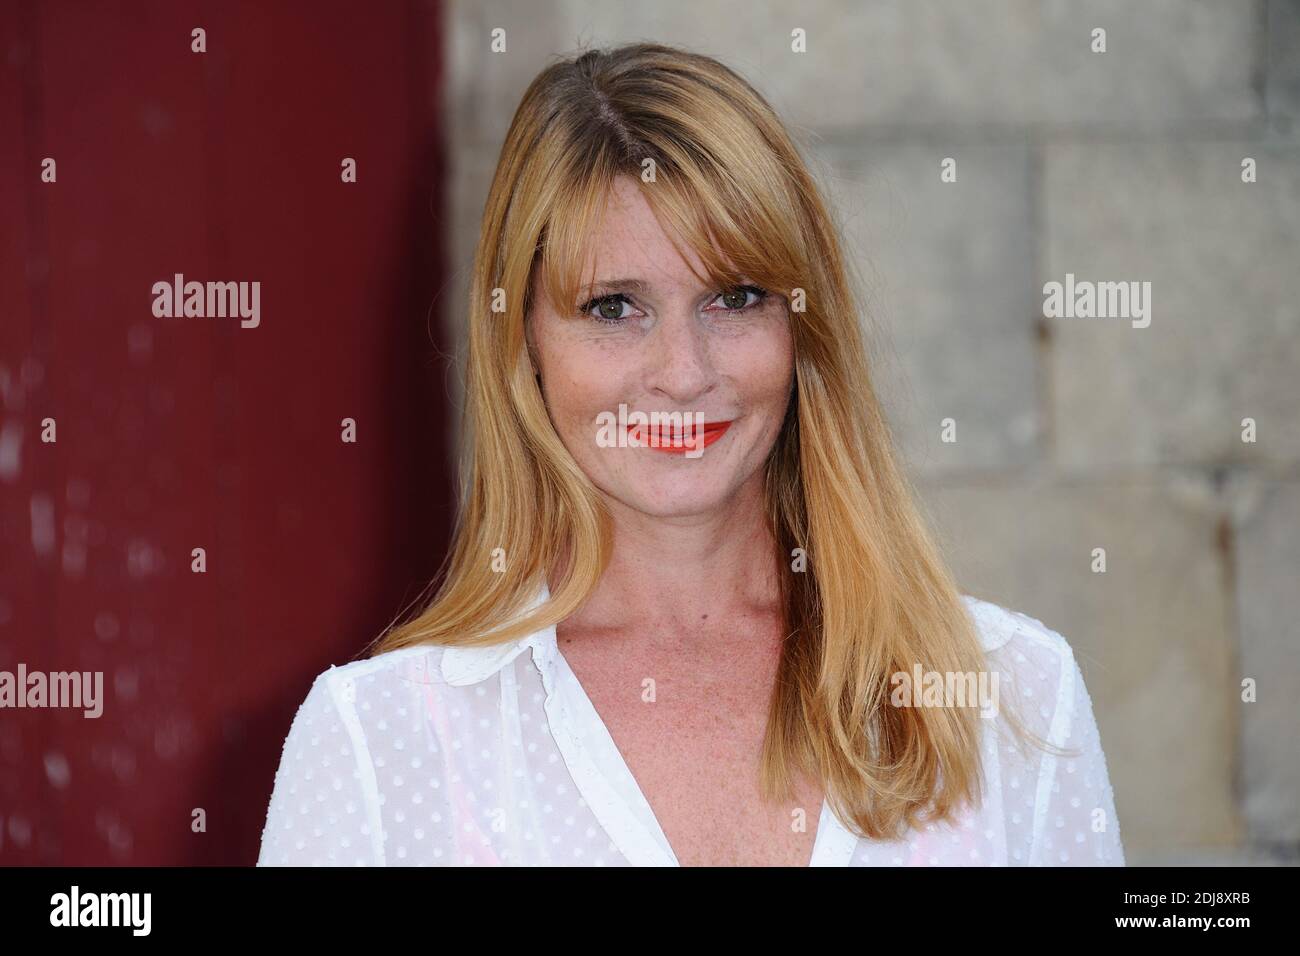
(695, 754)
(712, 812)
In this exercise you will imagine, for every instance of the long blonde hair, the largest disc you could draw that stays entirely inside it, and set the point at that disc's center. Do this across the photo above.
(716, 165)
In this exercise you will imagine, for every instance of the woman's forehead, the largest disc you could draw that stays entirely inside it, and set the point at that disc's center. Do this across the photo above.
(624, 245)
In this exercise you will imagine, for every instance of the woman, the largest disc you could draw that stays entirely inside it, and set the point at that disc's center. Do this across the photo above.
(691, 615)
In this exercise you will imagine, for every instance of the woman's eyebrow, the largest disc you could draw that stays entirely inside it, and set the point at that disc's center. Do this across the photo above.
(639, 286)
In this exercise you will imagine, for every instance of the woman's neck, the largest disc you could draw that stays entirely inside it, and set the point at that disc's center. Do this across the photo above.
(671, 572)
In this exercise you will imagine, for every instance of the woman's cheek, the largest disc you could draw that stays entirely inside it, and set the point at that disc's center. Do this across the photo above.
(764, 370)
(581, 399)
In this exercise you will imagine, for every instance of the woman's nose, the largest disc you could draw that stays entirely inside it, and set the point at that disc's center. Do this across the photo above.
(679, 363)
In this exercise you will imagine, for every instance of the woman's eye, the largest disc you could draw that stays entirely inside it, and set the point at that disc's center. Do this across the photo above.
(609, 308)
(737, 299)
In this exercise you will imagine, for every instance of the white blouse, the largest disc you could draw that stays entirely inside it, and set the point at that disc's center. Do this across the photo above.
(446, 756)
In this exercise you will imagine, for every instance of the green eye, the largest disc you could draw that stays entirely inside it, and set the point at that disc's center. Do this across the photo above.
(610, 308)
(736, 300)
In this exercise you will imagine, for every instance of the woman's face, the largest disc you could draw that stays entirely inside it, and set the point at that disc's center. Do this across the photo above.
(656, 340)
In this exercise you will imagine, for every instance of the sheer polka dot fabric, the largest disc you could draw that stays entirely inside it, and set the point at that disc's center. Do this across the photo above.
(439, 756)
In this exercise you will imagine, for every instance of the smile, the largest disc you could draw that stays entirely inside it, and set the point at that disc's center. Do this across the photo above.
(666, 439)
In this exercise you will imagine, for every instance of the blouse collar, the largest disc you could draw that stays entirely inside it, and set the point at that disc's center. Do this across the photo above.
(469, 665)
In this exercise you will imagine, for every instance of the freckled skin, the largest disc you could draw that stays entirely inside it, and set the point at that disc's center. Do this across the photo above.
(678, 350)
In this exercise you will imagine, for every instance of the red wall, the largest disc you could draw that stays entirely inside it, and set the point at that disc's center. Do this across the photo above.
(178, 433)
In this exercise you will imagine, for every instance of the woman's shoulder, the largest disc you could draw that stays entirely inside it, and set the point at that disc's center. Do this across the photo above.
(1008, 632)
(1058, 801)
(331, 754)
(418, 661)
(360, 692)
(1034, 661)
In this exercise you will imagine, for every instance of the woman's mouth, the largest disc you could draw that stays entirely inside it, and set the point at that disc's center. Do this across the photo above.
(675, 441)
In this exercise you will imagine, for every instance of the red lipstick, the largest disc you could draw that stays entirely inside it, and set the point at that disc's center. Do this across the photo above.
(665, 439)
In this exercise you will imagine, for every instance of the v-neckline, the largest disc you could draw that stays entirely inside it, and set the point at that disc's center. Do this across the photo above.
(607, 783)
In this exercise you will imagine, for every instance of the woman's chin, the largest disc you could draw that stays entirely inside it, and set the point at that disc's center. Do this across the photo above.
(684, 497)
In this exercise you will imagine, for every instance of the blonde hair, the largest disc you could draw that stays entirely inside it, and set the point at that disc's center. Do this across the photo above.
(876, 596)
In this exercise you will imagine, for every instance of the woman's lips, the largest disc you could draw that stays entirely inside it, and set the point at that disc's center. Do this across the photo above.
(675, 442)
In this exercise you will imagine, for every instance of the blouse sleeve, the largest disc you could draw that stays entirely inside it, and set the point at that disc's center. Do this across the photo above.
(1075, 822)
(321, 812)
